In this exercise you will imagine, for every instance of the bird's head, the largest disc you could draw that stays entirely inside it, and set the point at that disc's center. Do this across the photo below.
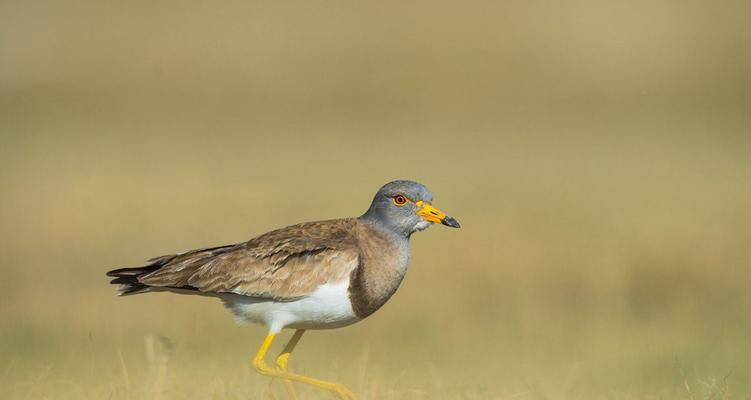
(405, 207)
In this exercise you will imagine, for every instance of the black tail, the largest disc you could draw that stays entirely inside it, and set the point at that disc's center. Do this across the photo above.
(127, 278)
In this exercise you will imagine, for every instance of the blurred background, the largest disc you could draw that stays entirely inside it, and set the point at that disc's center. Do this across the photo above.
(597, 154)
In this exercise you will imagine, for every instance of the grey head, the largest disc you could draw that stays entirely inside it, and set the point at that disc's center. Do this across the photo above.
(404, 207)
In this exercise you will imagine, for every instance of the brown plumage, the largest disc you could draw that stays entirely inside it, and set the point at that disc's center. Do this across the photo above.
(282, 265)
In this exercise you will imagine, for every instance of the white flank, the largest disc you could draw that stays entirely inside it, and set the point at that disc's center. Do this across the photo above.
(327, 307)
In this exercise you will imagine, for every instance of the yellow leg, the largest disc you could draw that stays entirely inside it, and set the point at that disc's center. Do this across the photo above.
(260, 365)
(283, 360)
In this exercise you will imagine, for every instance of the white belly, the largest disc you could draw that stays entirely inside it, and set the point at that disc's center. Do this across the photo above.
(327, 307)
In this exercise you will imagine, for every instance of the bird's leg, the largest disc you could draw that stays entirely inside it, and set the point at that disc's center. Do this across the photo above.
(283, 359)
(260, 365)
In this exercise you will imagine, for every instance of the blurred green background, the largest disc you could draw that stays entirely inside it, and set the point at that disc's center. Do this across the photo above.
(597, 154)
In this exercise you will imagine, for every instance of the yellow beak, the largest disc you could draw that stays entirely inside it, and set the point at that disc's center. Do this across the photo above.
(432, 214)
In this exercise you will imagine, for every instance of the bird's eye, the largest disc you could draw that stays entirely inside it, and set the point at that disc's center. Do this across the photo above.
(399, 200)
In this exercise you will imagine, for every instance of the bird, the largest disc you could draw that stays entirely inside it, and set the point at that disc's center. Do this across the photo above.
(313, 275)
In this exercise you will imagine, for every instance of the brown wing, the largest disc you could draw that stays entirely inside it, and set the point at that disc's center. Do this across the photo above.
(284, 264)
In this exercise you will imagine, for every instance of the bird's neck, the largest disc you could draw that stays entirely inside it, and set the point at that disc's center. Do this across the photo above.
(398, 233)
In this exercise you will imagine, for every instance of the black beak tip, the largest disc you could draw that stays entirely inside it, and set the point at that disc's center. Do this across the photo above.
(450, 221)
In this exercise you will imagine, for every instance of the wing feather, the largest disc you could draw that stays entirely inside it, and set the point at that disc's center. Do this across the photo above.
(284, 264)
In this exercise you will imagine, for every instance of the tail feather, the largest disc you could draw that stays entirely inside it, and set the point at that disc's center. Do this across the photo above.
(127, 279)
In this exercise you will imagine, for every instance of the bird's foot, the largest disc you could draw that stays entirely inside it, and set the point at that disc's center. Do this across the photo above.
(282, 361)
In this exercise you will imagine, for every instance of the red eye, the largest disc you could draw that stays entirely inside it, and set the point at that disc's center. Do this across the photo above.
(399, 200)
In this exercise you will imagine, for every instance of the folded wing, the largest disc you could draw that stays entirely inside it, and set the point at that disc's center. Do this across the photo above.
(283, 265)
